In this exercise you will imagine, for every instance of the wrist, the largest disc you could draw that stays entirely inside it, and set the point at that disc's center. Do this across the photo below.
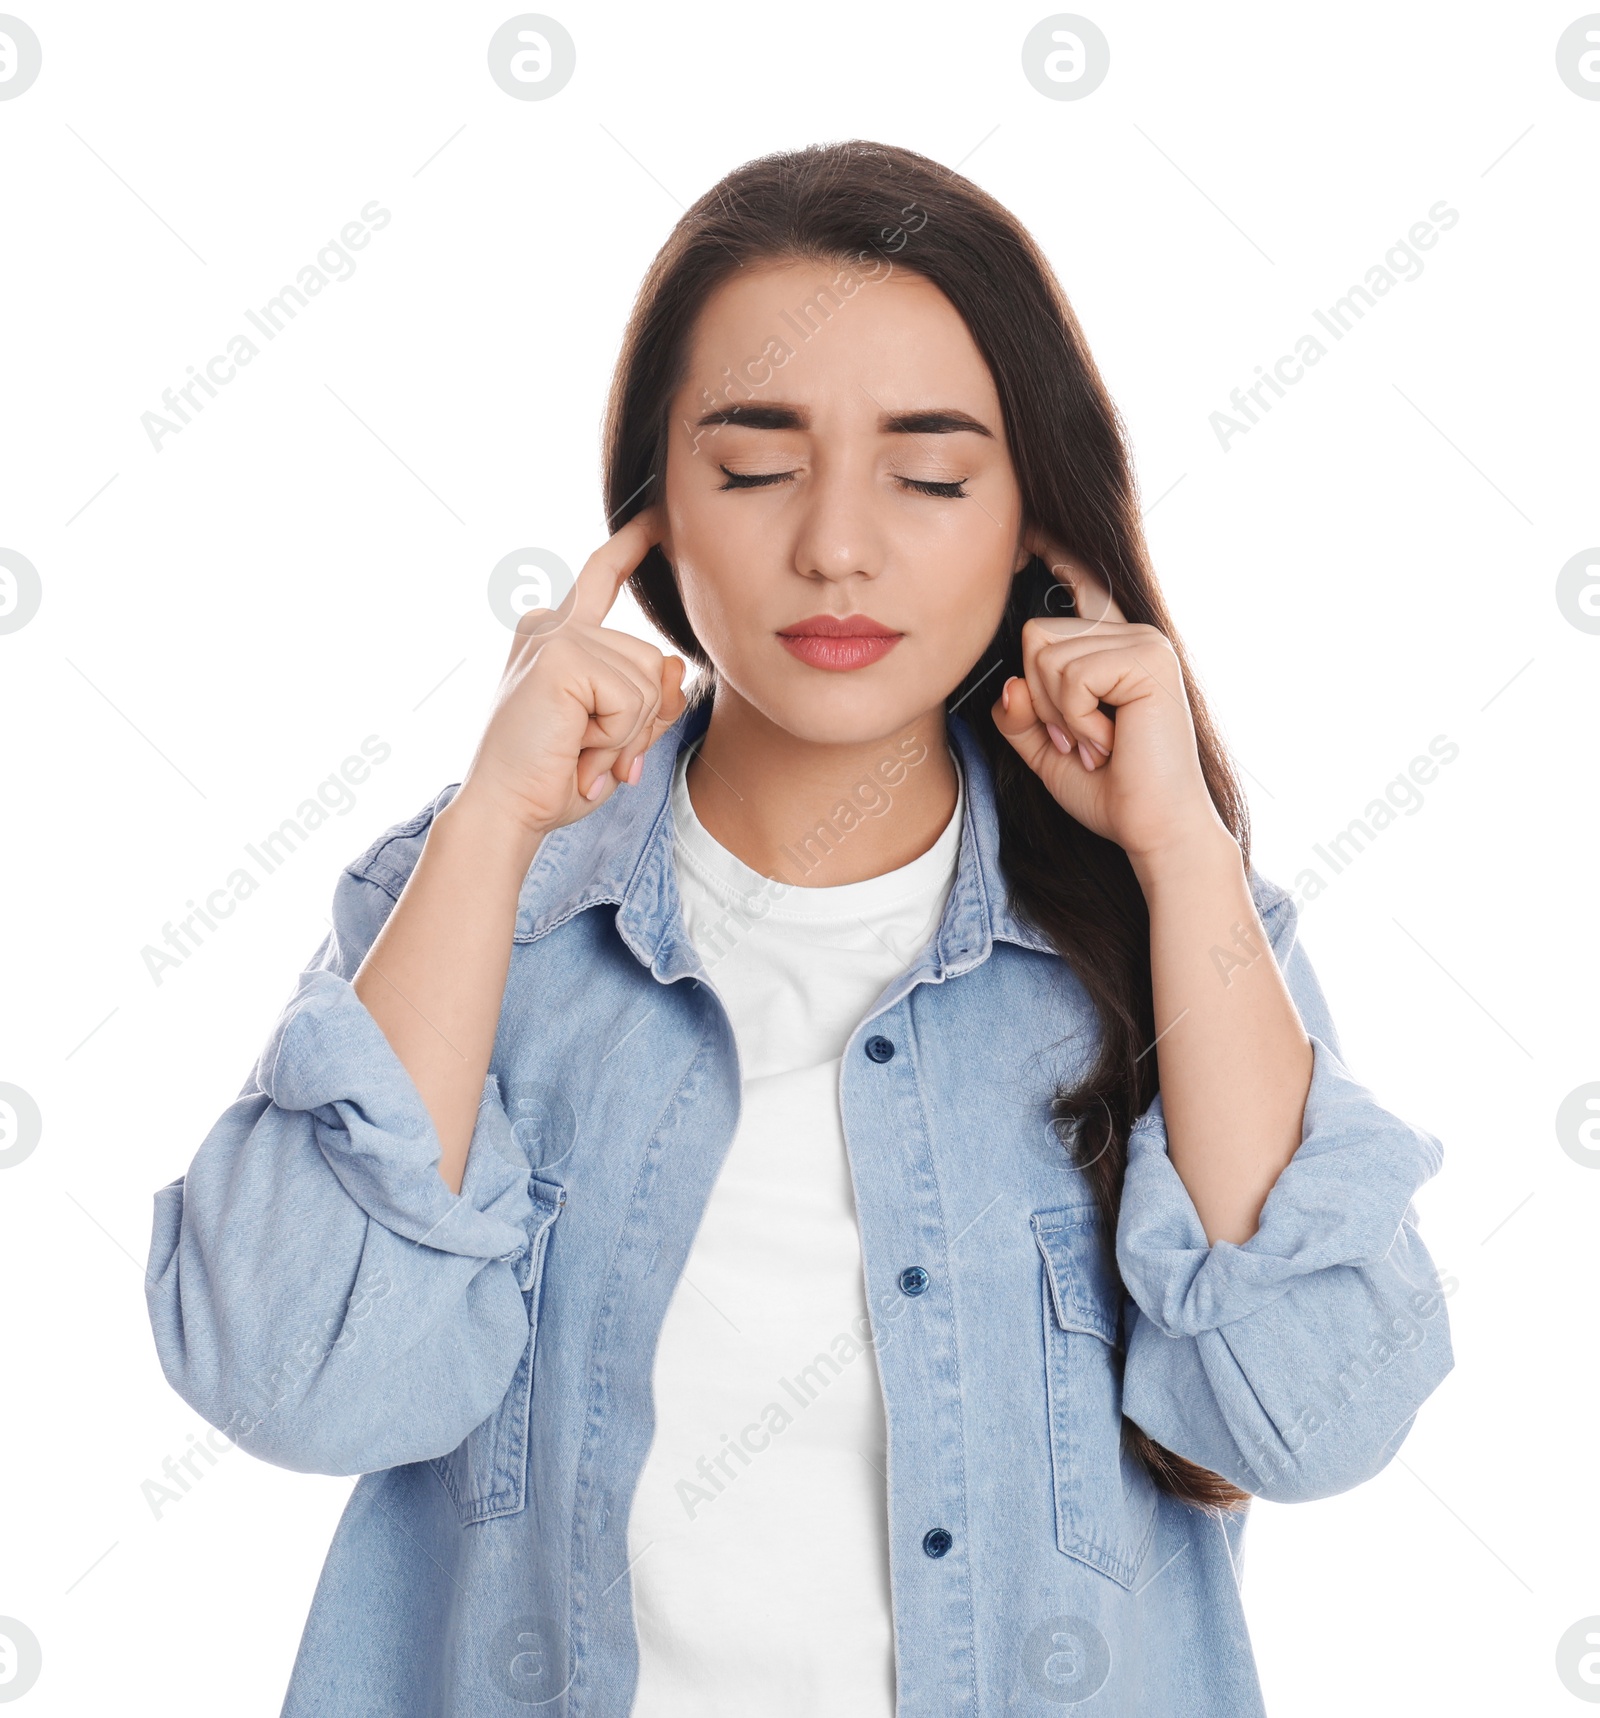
(495, 837)
(1206, 851)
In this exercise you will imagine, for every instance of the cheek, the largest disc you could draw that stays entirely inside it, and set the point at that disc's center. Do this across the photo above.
(963, 587)
(716, 598)
(966, 565)
(719, 553)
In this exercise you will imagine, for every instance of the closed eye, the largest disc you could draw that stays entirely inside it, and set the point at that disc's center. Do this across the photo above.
(954, 490)
(740, 480)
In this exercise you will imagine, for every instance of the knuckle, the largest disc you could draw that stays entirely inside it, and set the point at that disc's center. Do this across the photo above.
(532, 620)
(550, 647)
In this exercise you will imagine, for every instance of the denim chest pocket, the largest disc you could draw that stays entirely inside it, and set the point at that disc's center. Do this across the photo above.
(1105, 1499)
(486, 1475)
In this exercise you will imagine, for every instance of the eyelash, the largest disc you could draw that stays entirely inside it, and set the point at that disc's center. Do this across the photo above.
(953, 491)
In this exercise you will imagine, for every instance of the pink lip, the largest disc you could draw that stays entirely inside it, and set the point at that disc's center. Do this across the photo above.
(839, 642)
(837, 653)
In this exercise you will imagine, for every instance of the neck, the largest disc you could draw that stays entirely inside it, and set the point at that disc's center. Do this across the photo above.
(818, 814)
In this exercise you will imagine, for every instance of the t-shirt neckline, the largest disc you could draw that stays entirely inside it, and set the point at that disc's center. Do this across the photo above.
(736, 882)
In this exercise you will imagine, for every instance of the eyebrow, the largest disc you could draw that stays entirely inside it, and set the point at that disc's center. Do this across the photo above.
(933, 420)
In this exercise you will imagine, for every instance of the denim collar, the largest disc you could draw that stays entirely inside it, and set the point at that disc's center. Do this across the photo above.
(621, 853)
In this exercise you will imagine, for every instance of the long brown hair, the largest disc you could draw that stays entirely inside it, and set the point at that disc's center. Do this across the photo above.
(843, 204)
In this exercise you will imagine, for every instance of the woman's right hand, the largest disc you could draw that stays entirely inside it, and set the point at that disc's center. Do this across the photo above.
(579, 704)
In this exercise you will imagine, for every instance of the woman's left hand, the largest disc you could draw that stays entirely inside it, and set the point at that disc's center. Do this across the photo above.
(1135, 779)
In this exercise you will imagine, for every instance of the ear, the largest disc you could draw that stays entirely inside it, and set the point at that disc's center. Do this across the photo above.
(1091, 596)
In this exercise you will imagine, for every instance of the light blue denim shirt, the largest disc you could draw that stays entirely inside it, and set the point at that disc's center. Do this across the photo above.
(484, 1361)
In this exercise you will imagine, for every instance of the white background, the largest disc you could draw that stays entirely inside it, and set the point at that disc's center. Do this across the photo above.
(1373, 565)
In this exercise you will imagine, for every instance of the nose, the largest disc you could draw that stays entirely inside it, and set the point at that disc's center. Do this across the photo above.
(840, 532)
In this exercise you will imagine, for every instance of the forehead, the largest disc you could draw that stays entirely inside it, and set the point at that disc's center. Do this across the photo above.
(826, 333)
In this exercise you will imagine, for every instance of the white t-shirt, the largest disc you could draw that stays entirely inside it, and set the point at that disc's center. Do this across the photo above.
(758, 1536)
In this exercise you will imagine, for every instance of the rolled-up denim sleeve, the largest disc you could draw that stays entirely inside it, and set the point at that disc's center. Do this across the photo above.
(1294, 1364)
(315, 1289)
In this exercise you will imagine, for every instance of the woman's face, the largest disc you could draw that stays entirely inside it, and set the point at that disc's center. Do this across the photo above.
(864, 475)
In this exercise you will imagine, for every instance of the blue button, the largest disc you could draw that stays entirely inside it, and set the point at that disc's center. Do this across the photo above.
(913, 1279)
(880, 1049)
(936, 1541)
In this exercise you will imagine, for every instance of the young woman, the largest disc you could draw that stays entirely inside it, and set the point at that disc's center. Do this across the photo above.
(826, 1195)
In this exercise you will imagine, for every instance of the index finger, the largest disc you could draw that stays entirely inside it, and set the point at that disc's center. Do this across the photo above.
(606, 571)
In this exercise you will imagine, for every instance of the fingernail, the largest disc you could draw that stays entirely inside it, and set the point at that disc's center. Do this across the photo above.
(596, 787)
(1058, 739)
(1005, 694)
(635, 770)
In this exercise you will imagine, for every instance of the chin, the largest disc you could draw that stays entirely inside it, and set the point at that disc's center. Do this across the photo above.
(829, 709)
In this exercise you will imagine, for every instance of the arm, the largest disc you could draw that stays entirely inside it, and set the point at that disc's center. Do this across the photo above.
(578, 707)
(1287, 1322)
(1234, 1059)
(1294, 1363)
(314, 1289)
(1101, 715)
(337, 1282)
(434, 979)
